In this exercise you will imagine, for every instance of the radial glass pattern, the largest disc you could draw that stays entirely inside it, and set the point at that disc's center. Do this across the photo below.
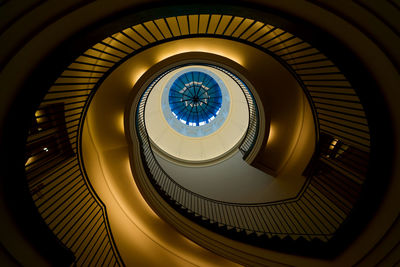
(195, 98)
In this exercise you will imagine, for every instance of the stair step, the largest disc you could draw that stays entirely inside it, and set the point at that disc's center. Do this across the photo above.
(249, 232)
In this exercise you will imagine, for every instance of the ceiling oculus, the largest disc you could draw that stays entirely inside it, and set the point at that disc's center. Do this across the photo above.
(195, 98)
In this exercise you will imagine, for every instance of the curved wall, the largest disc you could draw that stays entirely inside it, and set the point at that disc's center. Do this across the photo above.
(136, 228)
(105, 150)
(362, 31)
(207, 148)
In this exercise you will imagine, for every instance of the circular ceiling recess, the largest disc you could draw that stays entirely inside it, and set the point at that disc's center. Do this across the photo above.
(196, 113)
(195, 98)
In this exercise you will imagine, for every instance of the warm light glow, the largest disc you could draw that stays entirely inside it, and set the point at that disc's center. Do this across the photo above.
(121, 124)
(29, 161)
(333, 144)
(272, 132)
(139, 230)
(38, 113)
(137, 74)
(201, 45)
(138, 195)
(166, 54)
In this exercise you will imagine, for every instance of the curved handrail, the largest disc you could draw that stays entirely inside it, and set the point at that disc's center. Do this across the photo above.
(247, 142)
(252, 130)
(249, 217)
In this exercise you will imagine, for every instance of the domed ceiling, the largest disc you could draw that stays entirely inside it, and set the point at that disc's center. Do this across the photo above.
(179, 127)
(195, 98)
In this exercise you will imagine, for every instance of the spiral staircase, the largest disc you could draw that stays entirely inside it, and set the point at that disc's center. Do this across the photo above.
(56, 58)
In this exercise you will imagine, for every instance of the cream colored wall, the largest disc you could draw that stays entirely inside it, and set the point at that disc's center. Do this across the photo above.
(197, 149)
(233, 180)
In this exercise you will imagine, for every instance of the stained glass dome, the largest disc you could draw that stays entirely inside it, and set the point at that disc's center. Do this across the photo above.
(195, 98)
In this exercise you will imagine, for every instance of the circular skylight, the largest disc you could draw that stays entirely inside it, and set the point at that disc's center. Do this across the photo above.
(199, 102)
(195, 98)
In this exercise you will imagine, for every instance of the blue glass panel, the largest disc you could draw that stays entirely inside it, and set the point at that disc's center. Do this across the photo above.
(195, 98)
